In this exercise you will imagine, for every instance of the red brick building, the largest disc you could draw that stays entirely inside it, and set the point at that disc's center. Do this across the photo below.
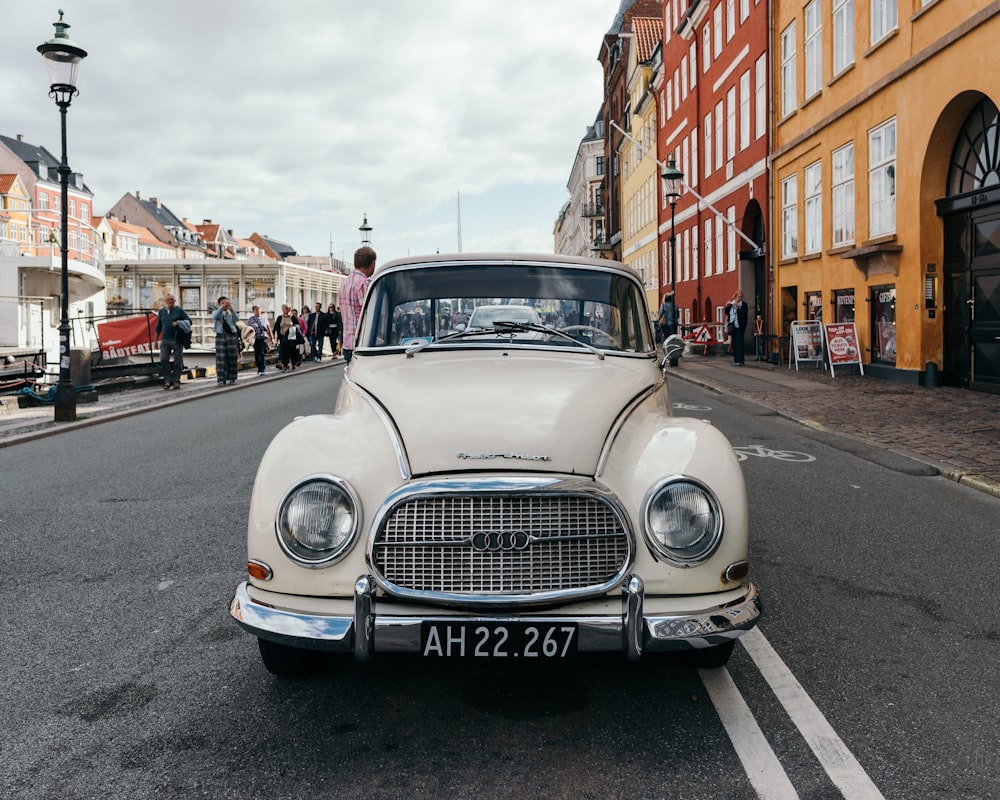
(713, 121)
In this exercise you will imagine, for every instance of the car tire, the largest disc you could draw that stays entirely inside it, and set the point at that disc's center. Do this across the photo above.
(711, 657)
(285, 661)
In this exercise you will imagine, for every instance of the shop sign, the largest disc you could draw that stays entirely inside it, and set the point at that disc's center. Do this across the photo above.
(127, 337)
(807, 342)
(842, 345)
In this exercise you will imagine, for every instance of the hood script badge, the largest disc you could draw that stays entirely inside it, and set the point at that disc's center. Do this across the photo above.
(508, 456)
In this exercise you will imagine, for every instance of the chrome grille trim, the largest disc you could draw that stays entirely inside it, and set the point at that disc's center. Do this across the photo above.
(421, 547)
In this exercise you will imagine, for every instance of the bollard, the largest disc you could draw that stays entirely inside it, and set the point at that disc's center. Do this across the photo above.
(932, 378)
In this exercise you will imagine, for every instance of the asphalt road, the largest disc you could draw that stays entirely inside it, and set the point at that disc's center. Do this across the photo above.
(873, 673)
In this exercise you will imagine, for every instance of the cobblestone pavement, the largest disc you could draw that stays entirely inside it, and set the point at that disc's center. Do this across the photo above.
(955, 430)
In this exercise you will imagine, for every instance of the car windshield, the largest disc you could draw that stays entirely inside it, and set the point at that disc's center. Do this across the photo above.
(478, 304)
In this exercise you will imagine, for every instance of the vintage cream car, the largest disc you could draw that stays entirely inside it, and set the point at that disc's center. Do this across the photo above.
(516, 492)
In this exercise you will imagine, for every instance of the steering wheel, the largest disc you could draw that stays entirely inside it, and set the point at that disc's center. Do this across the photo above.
(611, 340)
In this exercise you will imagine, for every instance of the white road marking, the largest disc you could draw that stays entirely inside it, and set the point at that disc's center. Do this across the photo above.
(839, 763)
(761, 765)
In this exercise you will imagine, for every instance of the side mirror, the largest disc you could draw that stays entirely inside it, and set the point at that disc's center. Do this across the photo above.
(673, 349)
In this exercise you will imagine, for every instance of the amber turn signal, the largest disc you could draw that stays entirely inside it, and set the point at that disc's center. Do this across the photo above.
(736, 572)
(259, 570)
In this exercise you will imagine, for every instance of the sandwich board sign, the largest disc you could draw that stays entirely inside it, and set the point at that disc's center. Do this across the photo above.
(842, 345)
(807, 342)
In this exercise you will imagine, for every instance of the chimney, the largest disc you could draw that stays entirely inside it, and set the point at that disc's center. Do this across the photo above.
(206, 222)
(155, 201)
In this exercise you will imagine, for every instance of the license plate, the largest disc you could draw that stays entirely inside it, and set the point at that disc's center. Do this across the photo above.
(499, 640)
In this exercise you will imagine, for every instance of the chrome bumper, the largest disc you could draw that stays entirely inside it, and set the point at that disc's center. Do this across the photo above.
(632, 632)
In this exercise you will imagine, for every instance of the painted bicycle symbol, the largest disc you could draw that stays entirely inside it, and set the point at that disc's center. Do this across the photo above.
(758, 450)
(686, 407)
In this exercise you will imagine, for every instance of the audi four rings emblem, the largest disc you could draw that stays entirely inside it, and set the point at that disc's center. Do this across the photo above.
(497, 541)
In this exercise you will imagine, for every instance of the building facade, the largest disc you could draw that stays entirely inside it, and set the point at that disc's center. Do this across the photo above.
(886, 178)
(713, 115)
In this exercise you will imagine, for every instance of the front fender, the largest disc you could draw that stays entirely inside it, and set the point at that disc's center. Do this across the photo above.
(353, 444)
(653, 446)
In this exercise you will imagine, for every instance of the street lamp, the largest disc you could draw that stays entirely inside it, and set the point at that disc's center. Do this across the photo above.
(62, 60)
(673, 178)
(366, 231)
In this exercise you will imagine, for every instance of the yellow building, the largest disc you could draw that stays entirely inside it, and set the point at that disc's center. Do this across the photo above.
(637, 157)
(886, 181)
(15, 214)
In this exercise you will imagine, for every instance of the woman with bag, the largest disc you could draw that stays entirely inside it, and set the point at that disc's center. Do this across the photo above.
(287, 331)
(736, 326)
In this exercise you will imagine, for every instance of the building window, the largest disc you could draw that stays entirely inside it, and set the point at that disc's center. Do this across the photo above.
(760, 97)
(693, 62)
(708, 247)
(814, 49)
(744, 10)
(720, 252)
(694, 157)
(788, 70)
(843, 195)
(814, 207)
(745, 110)
(720, 142)
(730, 19)
(731, 123)
(708, 144)
(694, 252)
(884, 19)
(883, 306)
(599, 165)
(843, 35)
(731, 237)
(43, 201)
(790, 217)
(684, 79)
(717, 29)
(882, 178)
(706, 48)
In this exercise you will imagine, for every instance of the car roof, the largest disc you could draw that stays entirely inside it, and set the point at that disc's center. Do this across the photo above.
(447, 259)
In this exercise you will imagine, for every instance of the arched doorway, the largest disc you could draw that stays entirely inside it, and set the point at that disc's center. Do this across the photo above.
(971, 274)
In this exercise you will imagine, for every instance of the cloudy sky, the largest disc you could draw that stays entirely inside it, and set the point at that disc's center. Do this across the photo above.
(296, 118)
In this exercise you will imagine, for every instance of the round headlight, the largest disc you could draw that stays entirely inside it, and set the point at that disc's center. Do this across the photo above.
(317, 521)
(683, 521)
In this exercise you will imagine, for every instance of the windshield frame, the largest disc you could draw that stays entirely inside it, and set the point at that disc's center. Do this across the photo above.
(436, 283)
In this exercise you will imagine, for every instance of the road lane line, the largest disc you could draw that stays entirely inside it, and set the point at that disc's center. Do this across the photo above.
(839, 763)
(759, 761)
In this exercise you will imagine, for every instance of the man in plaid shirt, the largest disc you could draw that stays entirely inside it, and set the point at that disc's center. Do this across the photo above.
(352, 296)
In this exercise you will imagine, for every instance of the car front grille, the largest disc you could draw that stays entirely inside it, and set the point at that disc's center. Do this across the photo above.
(518, 547)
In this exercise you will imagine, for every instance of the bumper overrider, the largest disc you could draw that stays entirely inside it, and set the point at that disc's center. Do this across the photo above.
(631, 632)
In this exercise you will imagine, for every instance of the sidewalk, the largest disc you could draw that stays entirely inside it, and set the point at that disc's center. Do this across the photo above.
(954, 430)
(25, 424)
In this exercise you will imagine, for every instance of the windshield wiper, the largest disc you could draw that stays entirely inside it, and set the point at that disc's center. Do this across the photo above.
(503, 327)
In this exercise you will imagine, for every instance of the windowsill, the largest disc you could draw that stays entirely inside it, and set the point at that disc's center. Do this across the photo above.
(887, 38)
(840, 248)
(924, 10)
(840, 74)
(787, 117)
(811, 256)
(786, 260)
(812, 98)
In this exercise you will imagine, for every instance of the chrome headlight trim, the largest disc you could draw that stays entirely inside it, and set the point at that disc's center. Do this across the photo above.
(693, 545)
(338, 530)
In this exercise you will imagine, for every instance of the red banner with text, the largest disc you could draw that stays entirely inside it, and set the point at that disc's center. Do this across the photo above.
(127, 337)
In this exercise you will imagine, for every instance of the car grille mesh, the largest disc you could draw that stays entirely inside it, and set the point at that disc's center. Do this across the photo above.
(426, 544)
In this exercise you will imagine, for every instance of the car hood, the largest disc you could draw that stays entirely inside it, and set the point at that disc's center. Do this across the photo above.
(509, 410)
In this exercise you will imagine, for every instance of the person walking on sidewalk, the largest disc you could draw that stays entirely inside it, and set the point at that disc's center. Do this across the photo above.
(353, 292)
(227, 341)
(262, 335)
(167, 319)
(736, 326)
(319, 323)
(336, 323)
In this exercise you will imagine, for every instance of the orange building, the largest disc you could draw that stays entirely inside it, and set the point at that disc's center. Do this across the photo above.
(886, 181)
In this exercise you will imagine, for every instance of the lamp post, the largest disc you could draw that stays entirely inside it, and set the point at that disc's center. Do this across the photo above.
(62, 60)
(673, 178)
(366, 231)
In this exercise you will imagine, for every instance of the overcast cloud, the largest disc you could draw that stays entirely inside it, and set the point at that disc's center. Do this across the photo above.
(295, 118)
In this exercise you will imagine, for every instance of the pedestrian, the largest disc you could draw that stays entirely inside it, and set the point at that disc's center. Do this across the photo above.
(736, 326)
(336, 322)
(279, 330)
(667, 317)
(166, 328)
(227, 341)
(353, 292)
(758, 335)
(262, 335)
(319, 324)
(298, 331)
